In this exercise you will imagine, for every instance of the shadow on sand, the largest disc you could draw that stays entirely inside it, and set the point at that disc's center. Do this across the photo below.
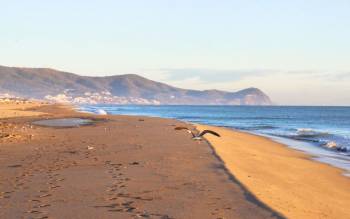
(247, 194)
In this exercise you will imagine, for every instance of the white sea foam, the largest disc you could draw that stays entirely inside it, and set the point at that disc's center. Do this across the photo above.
(325, 134)
(307, 132)
(331, 144)
(101, 112)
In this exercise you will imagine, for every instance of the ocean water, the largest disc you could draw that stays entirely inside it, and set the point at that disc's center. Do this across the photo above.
(323, 132)
(68, 122)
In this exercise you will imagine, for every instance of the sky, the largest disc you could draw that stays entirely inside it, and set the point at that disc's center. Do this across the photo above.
(298, 52)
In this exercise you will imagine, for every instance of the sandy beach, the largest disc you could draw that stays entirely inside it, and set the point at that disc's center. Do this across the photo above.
(19, 109)
(116, 167)
(286, 180)
(140, 167)
(175, 109)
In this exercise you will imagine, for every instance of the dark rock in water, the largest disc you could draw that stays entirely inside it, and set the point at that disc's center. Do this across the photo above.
(342, 149)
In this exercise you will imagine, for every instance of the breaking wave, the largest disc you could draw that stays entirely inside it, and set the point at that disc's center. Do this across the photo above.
(310, 133)
(101, 112)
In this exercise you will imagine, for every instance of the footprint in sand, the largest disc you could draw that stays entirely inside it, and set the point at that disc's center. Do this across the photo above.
(43, 206)
(39, 203)
(15, 166)
(6, 194)
(34, 200)
(34, 212)
(54, 186)
(144, 215)
(38, 214)
(44, 195)
(116, 193)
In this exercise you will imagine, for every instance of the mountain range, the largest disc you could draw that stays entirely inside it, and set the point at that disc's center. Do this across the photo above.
(50, 84)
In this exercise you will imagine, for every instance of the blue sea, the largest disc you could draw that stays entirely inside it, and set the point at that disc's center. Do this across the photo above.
(323, 132)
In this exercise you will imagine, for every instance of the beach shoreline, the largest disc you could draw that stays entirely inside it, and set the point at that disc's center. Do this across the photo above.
(286, 179)
(116, 167)
(182, 178)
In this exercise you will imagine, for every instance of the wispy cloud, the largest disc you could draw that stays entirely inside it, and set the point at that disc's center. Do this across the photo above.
(215, 76)
(309, 87)
(211, 75)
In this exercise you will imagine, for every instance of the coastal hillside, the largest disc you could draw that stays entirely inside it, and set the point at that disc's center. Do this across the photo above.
(53, 85)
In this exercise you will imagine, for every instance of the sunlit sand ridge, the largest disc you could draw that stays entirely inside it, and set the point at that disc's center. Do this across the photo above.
(284, 179)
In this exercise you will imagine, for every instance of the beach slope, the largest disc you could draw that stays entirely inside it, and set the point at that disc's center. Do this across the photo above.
(116, 167)
(285, 179)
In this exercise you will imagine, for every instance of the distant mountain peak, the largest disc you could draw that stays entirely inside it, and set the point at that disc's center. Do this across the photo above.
(47, 83)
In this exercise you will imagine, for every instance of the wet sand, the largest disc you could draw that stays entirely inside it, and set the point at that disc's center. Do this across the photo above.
(285, 179)
(118, 167)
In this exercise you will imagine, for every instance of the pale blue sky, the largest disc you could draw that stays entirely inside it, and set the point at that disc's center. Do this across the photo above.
(296, 51)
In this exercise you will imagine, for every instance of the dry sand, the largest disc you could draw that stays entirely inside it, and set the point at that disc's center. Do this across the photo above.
(18, 109)
(119, 167)
(284, 179)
